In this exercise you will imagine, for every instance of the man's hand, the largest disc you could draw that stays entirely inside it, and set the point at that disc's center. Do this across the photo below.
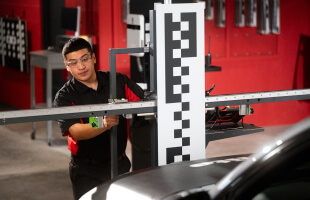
(110, 121)
(84, 131)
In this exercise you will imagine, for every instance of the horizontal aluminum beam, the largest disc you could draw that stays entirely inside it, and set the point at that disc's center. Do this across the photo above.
(70, 112)
(257, 97)
(32, 115)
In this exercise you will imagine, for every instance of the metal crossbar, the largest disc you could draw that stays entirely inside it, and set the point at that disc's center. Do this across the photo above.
(257, 97)
(70, 112)
(33, 115)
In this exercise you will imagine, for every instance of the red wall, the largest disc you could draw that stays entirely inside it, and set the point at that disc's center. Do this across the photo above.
(241, 74)
(109, 32)
(250, 62)
(114, 35)
(15, 85)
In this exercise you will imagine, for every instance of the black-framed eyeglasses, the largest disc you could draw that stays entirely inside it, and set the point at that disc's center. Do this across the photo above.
(84, 60)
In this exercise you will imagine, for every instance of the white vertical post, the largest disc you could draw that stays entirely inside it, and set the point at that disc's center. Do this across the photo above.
(78, 22)
(180, 81)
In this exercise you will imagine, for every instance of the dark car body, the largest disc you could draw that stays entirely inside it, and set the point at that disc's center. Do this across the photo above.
(279, 170)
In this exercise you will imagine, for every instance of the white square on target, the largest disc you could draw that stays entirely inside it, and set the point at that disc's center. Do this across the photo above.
(184, 44)
(176, 71)
(176, 17)
(184, 26)
(177, 89)
(177, 158)
(176, 53)
(176, 35)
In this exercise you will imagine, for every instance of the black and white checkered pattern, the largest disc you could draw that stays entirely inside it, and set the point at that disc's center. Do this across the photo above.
(180, 43)
(13, 44)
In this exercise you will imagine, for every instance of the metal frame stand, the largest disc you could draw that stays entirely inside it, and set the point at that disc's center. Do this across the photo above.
(49, 61)
(113, 136)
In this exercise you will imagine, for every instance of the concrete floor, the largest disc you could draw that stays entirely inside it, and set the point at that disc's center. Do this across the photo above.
(30, 169)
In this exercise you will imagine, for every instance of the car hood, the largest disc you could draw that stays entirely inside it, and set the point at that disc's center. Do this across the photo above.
(159, 182)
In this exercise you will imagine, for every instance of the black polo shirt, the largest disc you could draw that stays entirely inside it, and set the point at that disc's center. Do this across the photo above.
(76, 93)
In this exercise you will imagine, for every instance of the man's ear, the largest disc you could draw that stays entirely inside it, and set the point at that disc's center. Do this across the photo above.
(94, 57)
(67, 67)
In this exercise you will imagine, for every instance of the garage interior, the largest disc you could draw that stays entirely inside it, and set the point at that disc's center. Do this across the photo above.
(26, 173)
(248, 61)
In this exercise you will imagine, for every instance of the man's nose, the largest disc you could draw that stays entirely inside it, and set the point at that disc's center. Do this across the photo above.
(81, 65)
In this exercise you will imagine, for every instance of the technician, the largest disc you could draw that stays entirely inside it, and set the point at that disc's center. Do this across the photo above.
(90, 148)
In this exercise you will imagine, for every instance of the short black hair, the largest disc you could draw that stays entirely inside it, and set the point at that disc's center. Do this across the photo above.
(75, 44)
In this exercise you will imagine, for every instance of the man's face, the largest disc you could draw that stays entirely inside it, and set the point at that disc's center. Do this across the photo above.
(81, 64)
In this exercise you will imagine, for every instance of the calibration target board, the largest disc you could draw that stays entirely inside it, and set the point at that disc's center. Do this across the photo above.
(13, 44)
(180, 82)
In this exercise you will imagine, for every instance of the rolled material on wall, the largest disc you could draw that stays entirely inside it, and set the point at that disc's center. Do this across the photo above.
(209, 12)
(274, 16)
(263, 17)
(220, 13)
(239, 13)
(250, 13)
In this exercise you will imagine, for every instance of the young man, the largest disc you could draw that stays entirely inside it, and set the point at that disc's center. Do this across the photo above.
(90, 148)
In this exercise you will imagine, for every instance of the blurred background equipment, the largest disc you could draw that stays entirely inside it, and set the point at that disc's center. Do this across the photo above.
(239, 13)
(14, 44)
(250, 13)
(220, 13)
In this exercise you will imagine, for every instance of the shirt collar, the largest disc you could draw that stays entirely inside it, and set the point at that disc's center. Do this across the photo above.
(103, 80)
(80, 87)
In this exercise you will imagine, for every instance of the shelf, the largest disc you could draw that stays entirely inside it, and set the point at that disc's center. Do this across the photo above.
(213, 69)
(228, 130)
